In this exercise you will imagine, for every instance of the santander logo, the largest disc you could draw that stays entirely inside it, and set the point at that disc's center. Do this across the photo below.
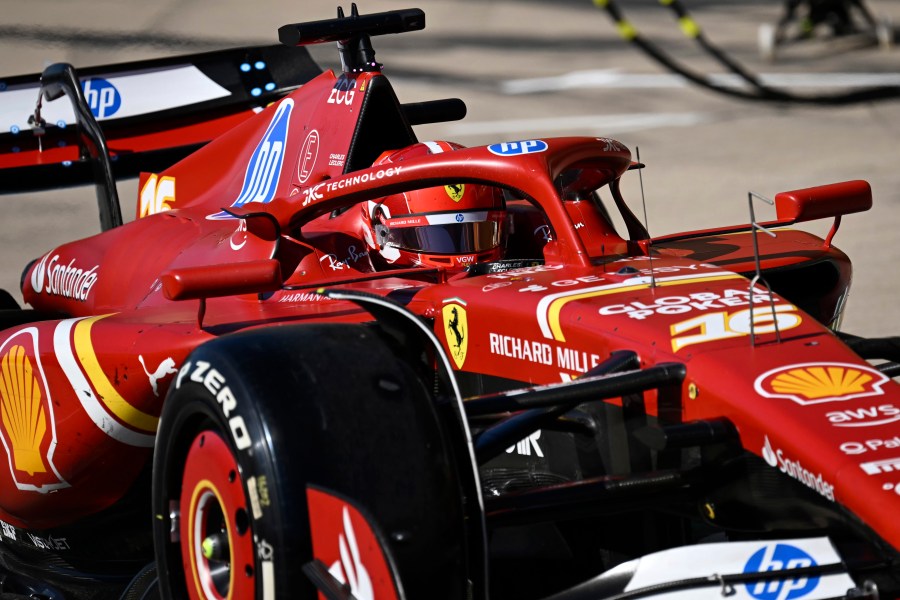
(776, 458)
(344, 540)
(349, 569)
(66, 280)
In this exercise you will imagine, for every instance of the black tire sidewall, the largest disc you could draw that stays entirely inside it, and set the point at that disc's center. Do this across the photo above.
(192, 408)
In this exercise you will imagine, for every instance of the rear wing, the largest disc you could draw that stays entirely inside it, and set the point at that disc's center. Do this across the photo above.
(152, 113)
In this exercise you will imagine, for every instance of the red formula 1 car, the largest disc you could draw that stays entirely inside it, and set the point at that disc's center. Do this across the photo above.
(330, 359)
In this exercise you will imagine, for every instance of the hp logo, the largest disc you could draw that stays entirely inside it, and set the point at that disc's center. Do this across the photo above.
(264, 168)
(102, 96)
(777, 557)
(516, 148)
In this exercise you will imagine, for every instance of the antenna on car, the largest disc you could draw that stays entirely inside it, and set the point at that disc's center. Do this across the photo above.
(758, 277)
(637, 151)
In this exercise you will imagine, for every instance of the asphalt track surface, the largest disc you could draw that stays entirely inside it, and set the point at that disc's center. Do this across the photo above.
(530, 69)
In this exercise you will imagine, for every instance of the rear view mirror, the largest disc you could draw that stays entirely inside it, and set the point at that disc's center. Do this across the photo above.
(823, 201)
(211, 281)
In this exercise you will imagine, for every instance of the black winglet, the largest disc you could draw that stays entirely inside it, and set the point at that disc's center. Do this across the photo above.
(352, 34)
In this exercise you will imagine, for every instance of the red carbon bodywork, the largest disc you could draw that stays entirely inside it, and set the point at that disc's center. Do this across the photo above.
(82, 394)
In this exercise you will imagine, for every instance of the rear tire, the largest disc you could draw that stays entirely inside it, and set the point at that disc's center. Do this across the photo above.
(7, 302)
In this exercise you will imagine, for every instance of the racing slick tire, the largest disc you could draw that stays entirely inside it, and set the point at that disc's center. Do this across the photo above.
(266, 431)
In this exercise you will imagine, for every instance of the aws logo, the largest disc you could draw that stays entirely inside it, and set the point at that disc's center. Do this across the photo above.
(456, 330)
(817, 383)
(264, 169)
(27, 429)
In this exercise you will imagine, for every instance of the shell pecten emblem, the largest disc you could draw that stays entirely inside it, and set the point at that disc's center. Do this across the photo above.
(456, 330)
(23, 417)
(27, 431)
(815, 383)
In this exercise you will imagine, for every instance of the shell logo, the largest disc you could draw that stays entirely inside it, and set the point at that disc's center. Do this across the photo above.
(817, 383)
(21, 411)
(27, 431)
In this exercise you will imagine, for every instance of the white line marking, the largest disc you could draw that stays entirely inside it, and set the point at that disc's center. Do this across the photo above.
(611, 78)
(62, 344)
(587, 124)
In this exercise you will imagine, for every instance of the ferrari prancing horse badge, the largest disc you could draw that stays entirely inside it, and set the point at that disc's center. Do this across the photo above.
(456, 329)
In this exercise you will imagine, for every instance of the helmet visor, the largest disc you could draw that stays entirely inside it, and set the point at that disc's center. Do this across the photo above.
(456, 233)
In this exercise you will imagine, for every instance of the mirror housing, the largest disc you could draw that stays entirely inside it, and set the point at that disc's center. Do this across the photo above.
(823, 201)
(251, 277)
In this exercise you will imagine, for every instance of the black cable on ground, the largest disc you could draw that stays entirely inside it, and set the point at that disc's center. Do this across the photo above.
(692, 30)
(758, 91)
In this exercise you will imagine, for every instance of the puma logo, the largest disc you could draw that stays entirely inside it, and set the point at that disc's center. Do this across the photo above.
(166, 367)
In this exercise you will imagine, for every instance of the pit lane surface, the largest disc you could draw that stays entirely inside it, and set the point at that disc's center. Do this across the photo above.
(530, 69)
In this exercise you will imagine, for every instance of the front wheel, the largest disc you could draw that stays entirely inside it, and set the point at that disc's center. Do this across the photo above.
(204, 526)
(299, 454)
(217, 548)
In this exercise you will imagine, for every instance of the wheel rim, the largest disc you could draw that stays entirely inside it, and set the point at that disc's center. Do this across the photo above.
(216, 542)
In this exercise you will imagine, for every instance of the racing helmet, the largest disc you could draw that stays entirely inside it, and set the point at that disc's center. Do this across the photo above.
(450, 226)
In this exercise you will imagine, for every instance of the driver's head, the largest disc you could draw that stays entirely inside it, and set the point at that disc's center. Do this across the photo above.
(450, 226)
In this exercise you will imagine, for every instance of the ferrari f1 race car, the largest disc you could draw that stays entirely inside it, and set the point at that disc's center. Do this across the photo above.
(328, 359)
